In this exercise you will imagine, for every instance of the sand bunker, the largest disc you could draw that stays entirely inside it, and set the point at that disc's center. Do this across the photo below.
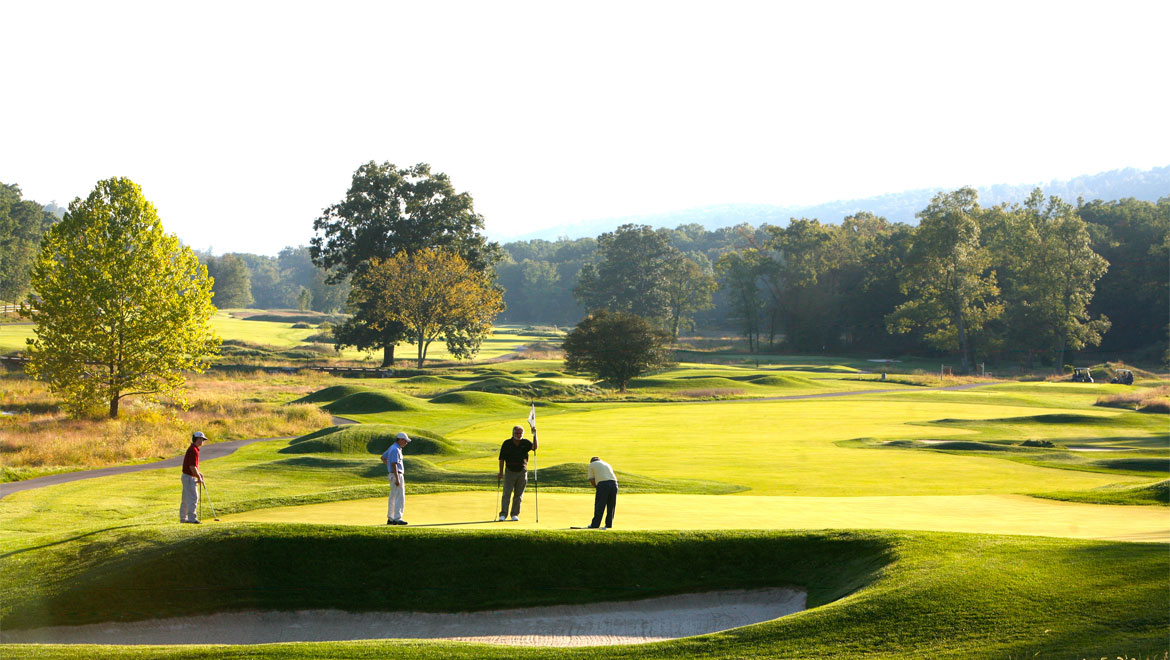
(597, 624)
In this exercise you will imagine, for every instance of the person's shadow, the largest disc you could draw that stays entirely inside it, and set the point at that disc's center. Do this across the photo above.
(448, 524)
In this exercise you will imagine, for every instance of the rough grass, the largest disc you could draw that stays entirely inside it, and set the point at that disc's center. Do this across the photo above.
(1152, 400)
(40, 439)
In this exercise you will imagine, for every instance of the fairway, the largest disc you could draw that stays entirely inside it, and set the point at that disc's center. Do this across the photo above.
(914, 510)
(788, 447)
(501, 341)
(990, 514)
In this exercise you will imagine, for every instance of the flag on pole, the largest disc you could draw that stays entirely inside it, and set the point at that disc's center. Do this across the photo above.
(532, 417)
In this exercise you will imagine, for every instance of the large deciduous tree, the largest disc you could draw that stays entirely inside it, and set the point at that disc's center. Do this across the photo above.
(739, 274)
(432, 293)
(122, 308)
(952, 290)
(387, 211)
(631, 275)
(1050, 273)
(688, 288)
(615, 346)
(232, 281)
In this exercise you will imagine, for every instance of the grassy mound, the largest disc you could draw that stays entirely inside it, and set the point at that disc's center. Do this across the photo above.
(574, 475)
(332, 393)
(375, 402)
(435, 381)
(494, 372)
(237, 567)
(537, 389)
(486, 402)
(686, 383)
(781, 380)
(1157, 493)
(1135, 464)
(967, 445)
(892, 595)
(550, 374)
(368, 439)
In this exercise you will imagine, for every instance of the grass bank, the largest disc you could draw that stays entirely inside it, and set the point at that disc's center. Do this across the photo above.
(871, 595)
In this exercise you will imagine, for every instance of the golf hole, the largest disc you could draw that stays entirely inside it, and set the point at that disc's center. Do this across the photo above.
(595, 624)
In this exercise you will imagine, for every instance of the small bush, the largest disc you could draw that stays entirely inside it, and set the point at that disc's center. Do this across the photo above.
(1048, 444)
(301, 325)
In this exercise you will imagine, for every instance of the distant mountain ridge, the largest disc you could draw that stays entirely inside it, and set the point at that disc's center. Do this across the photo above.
(1146, 185)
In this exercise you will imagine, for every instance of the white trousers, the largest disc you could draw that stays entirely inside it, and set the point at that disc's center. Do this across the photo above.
(189, 509)
(397, 500)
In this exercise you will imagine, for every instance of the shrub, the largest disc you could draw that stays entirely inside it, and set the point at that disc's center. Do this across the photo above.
(1038, 443)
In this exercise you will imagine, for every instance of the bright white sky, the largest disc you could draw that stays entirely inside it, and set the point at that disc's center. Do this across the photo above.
(242, 120)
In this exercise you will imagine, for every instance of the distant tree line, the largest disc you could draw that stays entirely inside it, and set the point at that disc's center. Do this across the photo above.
(289, 280)
(1022, 282)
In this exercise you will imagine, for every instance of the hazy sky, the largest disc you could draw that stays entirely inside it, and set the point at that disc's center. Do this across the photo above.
(242, 120)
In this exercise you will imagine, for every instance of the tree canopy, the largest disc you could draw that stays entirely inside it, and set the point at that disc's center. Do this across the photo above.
(952, 291)
(631, 275)
(386, 211)
(122, 308)
(22, 224)
(615, 346)
(432, 293)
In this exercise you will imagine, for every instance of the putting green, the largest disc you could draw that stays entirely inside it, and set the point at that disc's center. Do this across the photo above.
(990, 514)
(788, 447)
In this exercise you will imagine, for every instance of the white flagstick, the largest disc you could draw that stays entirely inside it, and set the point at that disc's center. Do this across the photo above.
(535, 465)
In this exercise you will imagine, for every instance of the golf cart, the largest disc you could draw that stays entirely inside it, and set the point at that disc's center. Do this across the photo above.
(1122, 377)
(1081, 375)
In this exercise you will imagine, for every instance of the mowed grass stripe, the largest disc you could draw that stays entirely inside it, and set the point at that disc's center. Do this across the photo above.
(990, 514)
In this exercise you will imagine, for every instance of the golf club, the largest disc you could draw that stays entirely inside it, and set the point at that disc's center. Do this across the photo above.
(207, 493)
(495, 513)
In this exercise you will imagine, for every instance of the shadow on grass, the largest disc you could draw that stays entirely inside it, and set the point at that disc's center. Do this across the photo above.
(63, 541)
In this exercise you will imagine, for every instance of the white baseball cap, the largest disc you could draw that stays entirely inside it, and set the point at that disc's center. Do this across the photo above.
(198, 434)
(402, 436)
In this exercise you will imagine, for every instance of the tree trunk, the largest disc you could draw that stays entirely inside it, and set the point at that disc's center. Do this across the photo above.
(387, 356)
(114, 407)
(963, 347)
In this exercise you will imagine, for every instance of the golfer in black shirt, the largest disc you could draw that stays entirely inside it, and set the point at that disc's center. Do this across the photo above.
(514, 470)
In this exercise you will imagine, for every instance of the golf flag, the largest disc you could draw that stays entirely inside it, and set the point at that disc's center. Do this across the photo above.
(532, 417)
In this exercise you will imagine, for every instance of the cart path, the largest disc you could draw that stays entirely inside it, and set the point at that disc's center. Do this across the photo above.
(218, 449)
(206, 453)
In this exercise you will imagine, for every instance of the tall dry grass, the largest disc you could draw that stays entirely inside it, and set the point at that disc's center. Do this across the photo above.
(39, 438)
(1156, 399)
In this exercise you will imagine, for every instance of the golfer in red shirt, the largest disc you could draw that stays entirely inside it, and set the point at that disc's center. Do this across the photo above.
(192, 477)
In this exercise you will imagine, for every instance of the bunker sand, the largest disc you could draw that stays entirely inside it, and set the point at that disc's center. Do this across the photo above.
(596, 624)
(985, 514)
